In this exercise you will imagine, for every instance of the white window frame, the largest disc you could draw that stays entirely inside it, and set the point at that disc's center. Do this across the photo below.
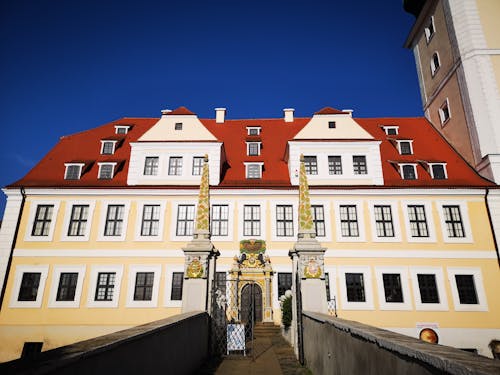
(177, 167)
(158, 168)
(126, 127)
(482, 304)
(427, 31)
(173, 219)
(31, 221)
(101, 164)
(248, 164)
(279, 269)
(249, 128)
(387, 127)
(56, 275)
(434, 68)
(410, 141)
(274, 229)
(431, 171)
(443, 298)
(395, 221)
(441, 112)
(169, 272)
(197, 157)
(67, 218)
(328, 220)
(405, 288)
(67, 165)
(95, 270)
(161, 223)
(464, 213)
(263, 218)
(103, 141)
(248, 143)
(333, 282)
(367, 281)
(230, 220)
(102, 221)
(361, 221)
(415, 170)
(132, 272)
(431, 229)
(18, 278)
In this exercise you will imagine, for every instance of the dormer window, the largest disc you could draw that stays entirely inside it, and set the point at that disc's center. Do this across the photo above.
(253, 130)
(405, 147)
(178, 126)
(253, 148)
(122, 129)
(73, 171)
(253, 170)
(391, 130)
(106, 170)
(430, 30)
(108, 147)
(438, 171)
(408, 171)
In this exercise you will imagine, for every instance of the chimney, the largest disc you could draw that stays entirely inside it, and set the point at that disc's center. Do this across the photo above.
(288, 114)
(348, 111)
(165, 112)
(220, 114)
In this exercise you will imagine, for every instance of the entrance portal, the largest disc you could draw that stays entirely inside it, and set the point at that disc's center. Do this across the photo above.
(251, 303)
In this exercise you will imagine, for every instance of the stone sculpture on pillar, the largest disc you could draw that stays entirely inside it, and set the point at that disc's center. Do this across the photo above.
(200, 253)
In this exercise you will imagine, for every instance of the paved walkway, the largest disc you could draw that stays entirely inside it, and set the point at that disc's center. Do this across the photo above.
(270, 354)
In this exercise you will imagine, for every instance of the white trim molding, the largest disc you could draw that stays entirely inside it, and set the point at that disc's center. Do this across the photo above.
(394, 205)
(359, 204)
(405, 288)
(442, 305)
(19, 272)
(113, 303)
(431, 229)
(56, 276)
(132, 274)
(482, 304)
(169, 273)
(139, 218)
(464, 214)
(367, 285)
(103, 218)
(67, 218)
(34, 204)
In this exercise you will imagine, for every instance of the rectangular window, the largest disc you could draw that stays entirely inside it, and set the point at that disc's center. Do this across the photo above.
(150, 220)
(198, 165)
(392, 287)
(114, 220)
(359, 164)
(43, 217)
(318, 214)
(220, 219)
(253, 148)
(466, 289)
(444, 111)
(284, 282)
(253, 131)
(418, 221)
(29, 286)
(429, 30)
(284, 220)
(73, 172)
(177, 281)
(334, 165)
(438, 172)
(105, 286)
(106, 171)
(151, 166)
(355, 287)
(251, 220)
(67, 286)
(220, 282)
(78, 220)
(383, 221)
(254, 170)
(144, 286)
(391, 131)
(175, 166)
(409, 172)
(453, 221)
(349, 221)
(311, 165)
(178, 126)
(108, 148)
(428, 288)
(405, 148)
(185, 220)
(331, 125)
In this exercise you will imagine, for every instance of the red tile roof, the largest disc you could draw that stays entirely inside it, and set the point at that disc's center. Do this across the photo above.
(181, 111)
(428, 145)
(330, 111)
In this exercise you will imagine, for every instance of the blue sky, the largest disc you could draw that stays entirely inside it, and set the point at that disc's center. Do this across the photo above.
(68, 66)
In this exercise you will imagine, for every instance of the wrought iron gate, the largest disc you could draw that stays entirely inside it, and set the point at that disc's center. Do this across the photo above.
(233, 317)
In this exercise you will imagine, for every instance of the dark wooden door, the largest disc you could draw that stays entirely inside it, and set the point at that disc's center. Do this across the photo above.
(248, 293)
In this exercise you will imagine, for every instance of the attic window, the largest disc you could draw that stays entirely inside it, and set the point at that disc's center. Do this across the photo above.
(122, 129)
(332, 125)
(253, 130)
(405, 147)
(73, 171)
(391, 130)
(438, 171)
(178, 126)
(253, 170)
(108, 147)
(253, 148)
(408, 171)
(106, 170)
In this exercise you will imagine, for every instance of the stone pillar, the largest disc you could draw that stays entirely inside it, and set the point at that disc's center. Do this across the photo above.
(268, 309)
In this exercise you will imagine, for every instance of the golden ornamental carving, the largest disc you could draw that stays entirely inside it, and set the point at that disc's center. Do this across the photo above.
(312, 270)
(195, 269)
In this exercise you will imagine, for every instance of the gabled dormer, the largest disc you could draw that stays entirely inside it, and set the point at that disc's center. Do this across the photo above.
(171, 151)
(337, 149)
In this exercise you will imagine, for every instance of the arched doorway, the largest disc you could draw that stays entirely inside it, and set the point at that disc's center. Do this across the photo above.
(251, 293)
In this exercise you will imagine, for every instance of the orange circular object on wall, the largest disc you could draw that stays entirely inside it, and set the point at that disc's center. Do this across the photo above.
(429, 335)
